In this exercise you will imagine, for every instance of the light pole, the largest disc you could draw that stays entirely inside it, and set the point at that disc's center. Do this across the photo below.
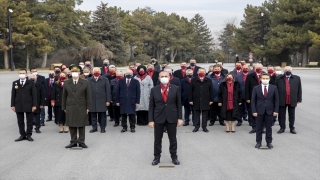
(10, 39)
(262, 30)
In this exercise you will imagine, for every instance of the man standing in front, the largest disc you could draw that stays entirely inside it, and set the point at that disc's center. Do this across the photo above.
(165, 110)
(24, 101)
(264, 105)
(76, 102)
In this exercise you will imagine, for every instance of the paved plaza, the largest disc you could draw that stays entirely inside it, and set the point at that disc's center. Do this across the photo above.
(128, 156)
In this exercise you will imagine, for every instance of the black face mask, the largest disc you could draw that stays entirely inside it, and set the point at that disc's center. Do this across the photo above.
(69, 76)
(189, 75)
(51, 75)
(31, 79)
(106, 64)
(57, 71)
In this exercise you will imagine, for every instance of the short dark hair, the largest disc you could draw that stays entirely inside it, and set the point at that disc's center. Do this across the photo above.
(32, 68)
(265, 74)
(23, 69)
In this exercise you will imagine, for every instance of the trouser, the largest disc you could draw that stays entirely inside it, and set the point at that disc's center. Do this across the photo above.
(50, 112)
(116, 114)
(188, 109)
(243, 110)
(261, 121)
(110, 111)
(132, 121)
(215, 111)
(74, 134)
(21, 125)
(102, 120)
(172, 135)
(142, 117)
(282, 116)
(197, 114)
(37, 120)
(42, 115)
(251, 119)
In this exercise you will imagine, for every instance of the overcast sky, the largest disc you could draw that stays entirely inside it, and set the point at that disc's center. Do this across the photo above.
(215, 12)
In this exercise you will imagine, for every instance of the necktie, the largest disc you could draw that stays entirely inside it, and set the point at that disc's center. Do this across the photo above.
(165, 94)
(265, 91)
(22, 83)
(51, 83)
(128, 83)
(75, 82)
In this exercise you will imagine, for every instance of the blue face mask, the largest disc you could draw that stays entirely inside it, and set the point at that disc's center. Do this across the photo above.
(192, 64)
(128, 76)
(288, 73)
(51, 75)
(153, 61)
(189, 75)
(106, 64)
(57, 71)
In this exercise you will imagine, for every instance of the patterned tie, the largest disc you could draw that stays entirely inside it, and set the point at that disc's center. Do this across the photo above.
(265, 92)
(22, 83)
(128, 83)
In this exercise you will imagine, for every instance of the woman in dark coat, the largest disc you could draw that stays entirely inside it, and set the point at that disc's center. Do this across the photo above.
(56, 100)
(229, 99)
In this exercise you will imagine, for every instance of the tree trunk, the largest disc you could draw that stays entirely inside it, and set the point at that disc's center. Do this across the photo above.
(44, 60)
(6, 59)
(27, 63)
(91, 59)
(171, 57)
(305, 56)
(175, 54)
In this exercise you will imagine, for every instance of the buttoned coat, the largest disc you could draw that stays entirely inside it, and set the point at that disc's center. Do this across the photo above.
(23, 98)
(129, 96)
(100, 93)
(145, 88)
(201, 94)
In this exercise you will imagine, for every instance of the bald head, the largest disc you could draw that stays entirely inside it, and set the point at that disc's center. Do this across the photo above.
(129, 72)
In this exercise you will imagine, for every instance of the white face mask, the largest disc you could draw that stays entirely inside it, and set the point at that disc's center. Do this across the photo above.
(35, 73)
(86, 74)
(81, 66)
(22, 76)
(278, 72)
(164, 80)
(265, 82)
(75, 74)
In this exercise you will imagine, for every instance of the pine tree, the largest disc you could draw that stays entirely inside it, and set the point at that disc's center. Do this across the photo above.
(203, 39)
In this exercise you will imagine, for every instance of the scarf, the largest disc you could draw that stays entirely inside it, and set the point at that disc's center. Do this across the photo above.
(287, 89)
(189, 80)
(258, 78)
(142, 77)
(164, 91)
(230, 96)
(150, 73)
(171, 77)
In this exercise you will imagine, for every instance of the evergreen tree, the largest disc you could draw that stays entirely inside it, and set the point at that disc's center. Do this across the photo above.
(203, 39)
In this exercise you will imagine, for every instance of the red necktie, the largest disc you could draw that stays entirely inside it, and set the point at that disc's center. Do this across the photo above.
(265, 92)
(165, 94)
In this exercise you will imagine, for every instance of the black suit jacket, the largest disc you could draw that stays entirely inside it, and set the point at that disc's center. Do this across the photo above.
(42, 80)
(251, 82)
(160, 111)
(260, 104)
(40, 96)
(201, 94)
(295, 90)
(178, 74)
(23, 98)
(56, 94)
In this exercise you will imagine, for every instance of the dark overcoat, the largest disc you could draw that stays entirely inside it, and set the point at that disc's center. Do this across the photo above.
(223, 98)
(185, 87)
(295, 90)
(100, 91)
(40, 96)
(56, 94)
(201, 94)
(128, 97)
(49, 91)
(23, 98)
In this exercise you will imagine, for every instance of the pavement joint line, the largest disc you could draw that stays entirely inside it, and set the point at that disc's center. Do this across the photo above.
(167, 166)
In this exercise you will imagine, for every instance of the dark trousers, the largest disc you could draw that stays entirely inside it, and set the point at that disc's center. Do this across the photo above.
(282, 116)
(37, 120)
(251, 119)
(110, 111)
(204, 114)
(116, 114)
(215, 111)
(261, 121)
(74, 134)
(132, 121)
(20, 117)
(188, 109)
(50, 112)
(172, 135)
(142, 117)
(42, 115)
(243, 110)
(102, 120)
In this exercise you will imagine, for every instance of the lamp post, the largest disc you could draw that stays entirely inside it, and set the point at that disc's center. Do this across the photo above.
(262, 30)
(10, 39)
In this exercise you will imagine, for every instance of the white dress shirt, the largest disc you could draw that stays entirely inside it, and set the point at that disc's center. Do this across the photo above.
(263, 88)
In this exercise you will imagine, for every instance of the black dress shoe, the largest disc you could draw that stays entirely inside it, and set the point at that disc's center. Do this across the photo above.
(258, 145)
(42, 124)
(133, 131)
(29, 138)
(155, 162)
(83, 145)
(222, 124)
(205, 130)
(239, 123)
(245, 119)
(38, 131)
(269, 145)
(293, 131)
(175, 162)
(115, 125)
(250, 124)
(49, 120)
(211, 123)
(195, 130)
(71, 145)
(123, 130)
(111, 120)
(21, 138)
(103, 131)
(185, 124)
(252, 131)
(93, 130)
(280, 131)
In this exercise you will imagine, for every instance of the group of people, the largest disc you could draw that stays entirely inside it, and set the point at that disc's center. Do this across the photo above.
(154, 95)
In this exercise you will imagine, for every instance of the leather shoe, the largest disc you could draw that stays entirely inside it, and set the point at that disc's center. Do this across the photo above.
(83, 145)
(155, 162)
(93, 130)
(21, 138)
(258, 145)
(123, 130)
(72, 145)
(211, 123)
(205, 130)
(133, 131)
(42, 124)
(280, 131)
(245, 119)
(29, 138)
(111, 120)
(252, 131)
(269, 145)
(115, 125)
(103, 131)
(38, 131)
(186, 124)
(239, 123)
(195, 130)
(222, 124)
(175, 162)
(293, 131)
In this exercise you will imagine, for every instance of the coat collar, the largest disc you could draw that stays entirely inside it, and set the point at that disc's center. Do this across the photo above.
(77, 86)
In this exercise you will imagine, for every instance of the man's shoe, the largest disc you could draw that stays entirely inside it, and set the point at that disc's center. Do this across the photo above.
(133, 131)
(258, 145)
(205, 130)
(250, 124)
(21, 138)
(111, 120)
(38, 131)
(185, 124)
(239, 123)
(252, 131)
(71, 145)
(49, 120)
(123, 130)
(280, 131)
(83, 145)
(93, 130)
(103, 131)
(175, 162)
(42, 124)
(222, 124)
(155, 162)
(211, 123)
(115, 125)
(269, 145)
(293, 131)
(29, 138)
(245, 119)
(195, 130)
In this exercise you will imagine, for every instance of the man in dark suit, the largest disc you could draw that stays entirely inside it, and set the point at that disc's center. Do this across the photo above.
(173, 80)
(50, 83)
(105, 67)
(181, 73)
(241, 79)
(223, 71)
(193, 67)
(165, 110)
(110, 76)
(128, 98)
(153, 74)
(155, 64)
(185, 87)
(264, 105)
(290, 94)
(24, 101)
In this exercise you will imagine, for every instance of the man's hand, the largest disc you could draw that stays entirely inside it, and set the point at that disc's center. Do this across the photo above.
(41, 107)
(151, 124)
(240, 104)
(210, 103)
(118, 104)
(299, 102)
(34, 108)
(87, 111)
(248, 101)
(137, 105)
(219, 104)
(255, 114)
(191, 103)
(107, 104)
(52, 104)
(65, 111)
(13, 109)
(275, 114)
(180, 122)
